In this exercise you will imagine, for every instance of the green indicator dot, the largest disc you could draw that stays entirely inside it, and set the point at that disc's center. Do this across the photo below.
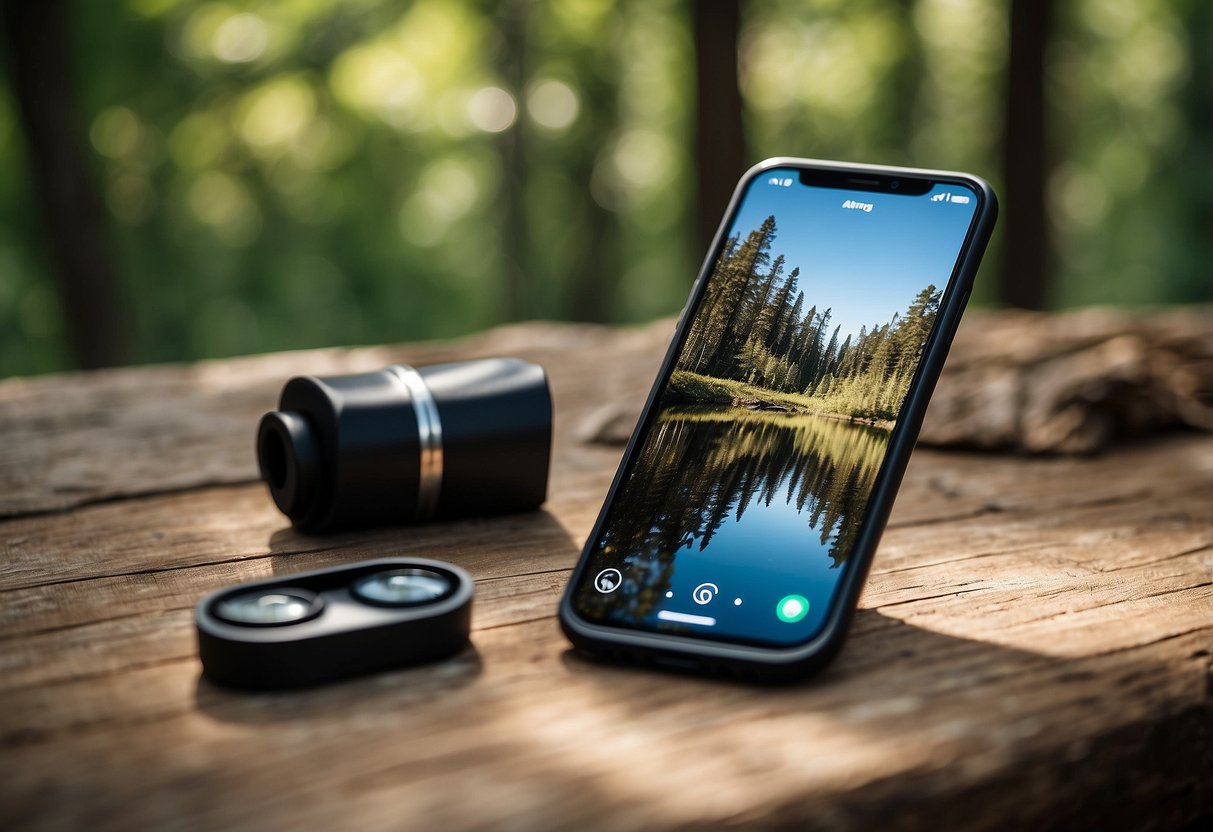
(792, 608)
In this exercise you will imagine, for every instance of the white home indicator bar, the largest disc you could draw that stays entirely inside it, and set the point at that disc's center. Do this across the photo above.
(686, 618)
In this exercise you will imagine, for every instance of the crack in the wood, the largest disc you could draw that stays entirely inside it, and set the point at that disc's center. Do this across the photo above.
(1196, 550)
(101, 674)
(526, 593)
(122, 498)
(1141, 646)
(155, 570)
(1063, 613)
(1109, 500)
(524, 575)
(993, 507)
(520, 621)
(942, 519)
(952, 594)
(175, 568)
(59, 628)
(975, 556)
(335, 547)
(240, 559)
(1089, 568)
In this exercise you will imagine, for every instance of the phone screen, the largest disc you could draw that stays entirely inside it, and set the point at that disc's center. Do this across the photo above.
(740, 505)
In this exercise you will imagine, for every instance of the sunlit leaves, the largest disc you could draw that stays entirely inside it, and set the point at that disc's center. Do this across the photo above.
(274, 114)
(116, 132)
(379, 80)
(447, 190)
(240, 39)
(223, 203)
(424, 69)
(199, 140)
(552, 104)
(223, 34)
(1117, 199)
(492, 109)
(238, 141)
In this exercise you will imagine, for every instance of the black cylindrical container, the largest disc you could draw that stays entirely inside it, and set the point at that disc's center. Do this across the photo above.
(405, 444)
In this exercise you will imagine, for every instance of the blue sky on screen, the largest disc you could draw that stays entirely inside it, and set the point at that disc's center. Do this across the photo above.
(865, 266)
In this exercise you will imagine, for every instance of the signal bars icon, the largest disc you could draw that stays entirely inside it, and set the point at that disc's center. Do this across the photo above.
(959, 199)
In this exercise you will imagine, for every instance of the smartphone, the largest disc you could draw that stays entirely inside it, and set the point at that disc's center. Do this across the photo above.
(742, 521)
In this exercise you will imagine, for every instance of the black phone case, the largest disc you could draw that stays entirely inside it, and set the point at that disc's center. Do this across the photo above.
(784, 664)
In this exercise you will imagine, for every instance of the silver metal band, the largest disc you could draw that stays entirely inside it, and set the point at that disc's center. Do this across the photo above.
(429, 438)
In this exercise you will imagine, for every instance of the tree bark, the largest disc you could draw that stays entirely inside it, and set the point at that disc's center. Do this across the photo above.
(1024, 281)
(1197, 103)
(719, 141)
(515, 243)
(592, 285)
(73, 216)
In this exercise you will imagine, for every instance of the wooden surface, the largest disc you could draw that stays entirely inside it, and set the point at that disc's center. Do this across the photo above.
(1033, 648)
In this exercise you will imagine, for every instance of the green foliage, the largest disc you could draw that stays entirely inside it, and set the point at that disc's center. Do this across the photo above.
(312, 173)
(704, 388)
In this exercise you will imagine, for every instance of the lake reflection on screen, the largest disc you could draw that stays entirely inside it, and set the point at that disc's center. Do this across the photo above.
(737, 498)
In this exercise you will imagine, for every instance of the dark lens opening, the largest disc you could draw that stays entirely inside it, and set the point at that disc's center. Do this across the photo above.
(273, 457)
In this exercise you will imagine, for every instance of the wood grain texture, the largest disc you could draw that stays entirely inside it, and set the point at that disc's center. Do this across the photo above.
(1075, 382)
(1034, 645)
(78, 438)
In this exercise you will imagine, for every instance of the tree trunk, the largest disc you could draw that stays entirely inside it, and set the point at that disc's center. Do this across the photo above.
(719, 142)
(73, 217)
(1198, 105)
(515, 242)
(1025, 274)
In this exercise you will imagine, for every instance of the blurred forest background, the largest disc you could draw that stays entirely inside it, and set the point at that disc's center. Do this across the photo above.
(184, 179)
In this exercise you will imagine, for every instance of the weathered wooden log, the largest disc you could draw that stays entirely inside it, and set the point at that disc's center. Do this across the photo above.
(1073, 383)
(1058, 384)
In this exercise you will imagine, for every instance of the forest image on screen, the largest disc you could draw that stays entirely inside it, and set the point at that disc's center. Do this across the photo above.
(742, 503)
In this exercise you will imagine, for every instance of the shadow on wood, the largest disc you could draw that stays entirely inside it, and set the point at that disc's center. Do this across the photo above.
(378, 692)
(899, 688)
(1037, 646)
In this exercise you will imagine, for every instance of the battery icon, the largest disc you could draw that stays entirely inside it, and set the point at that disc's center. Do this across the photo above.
(961, 198)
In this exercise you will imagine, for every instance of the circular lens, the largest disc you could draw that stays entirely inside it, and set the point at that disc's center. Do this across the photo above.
(269, 607)
(402, 587)
(895, 184)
